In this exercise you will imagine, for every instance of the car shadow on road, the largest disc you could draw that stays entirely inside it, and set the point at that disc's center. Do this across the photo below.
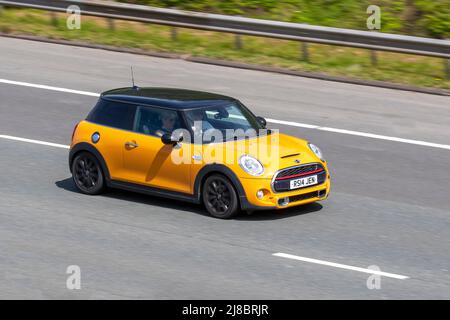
(67, 184)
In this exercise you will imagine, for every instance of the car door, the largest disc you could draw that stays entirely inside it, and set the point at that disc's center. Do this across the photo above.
(150, 162)
(110, 120)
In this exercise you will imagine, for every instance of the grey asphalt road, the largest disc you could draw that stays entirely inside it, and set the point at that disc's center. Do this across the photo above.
(389, 205)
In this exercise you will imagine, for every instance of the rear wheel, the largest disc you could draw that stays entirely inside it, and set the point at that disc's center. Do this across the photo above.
(219, 197)
(87, 174)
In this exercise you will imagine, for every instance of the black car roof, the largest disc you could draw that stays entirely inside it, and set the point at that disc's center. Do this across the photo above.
(166, 97)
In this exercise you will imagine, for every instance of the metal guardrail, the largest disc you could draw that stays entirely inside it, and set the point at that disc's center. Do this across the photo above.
(248, 26)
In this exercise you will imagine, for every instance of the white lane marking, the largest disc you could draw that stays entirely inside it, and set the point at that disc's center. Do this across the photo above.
(361, 134)
(40, 86)
(339, 265)
(287, 123)
(381, 137)
(293, 124)
(45, 143)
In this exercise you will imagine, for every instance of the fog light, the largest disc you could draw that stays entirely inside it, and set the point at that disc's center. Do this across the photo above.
(283, 201)
(260, 194)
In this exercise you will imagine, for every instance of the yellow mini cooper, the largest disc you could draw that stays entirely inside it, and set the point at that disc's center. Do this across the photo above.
(193, 146)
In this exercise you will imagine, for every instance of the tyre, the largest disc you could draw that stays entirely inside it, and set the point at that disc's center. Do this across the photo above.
(219, 197)
(87, 174)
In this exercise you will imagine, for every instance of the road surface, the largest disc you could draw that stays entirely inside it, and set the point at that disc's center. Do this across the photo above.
(389, 207)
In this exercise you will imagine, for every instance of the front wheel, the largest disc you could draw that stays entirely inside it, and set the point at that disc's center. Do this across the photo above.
(219, 197)
(87, 174)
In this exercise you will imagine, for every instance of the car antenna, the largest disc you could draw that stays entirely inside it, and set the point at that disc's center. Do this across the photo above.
(132, 79)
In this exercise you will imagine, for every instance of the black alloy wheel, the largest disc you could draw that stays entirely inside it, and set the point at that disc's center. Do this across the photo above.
(87, 174)
(219, 197)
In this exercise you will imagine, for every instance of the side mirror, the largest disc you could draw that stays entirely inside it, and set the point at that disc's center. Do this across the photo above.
(167, 138)
(262, 121)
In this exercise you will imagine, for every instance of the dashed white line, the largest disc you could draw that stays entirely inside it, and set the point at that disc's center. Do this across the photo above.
(45, 143)
(287, 123)
(339, 265)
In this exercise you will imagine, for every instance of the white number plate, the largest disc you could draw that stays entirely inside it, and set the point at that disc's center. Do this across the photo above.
(303, 182)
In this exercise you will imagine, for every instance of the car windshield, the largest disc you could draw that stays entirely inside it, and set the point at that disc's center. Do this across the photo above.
(223, 123)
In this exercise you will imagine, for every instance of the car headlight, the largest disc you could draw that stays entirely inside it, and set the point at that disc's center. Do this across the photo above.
(316, 150)
(251, 165)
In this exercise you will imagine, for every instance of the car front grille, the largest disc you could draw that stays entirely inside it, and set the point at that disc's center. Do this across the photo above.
(281, 181)
(298, 171)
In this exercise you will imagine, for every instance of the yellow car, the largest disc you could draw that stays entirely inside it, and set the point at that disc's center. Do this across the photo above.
(193, 146)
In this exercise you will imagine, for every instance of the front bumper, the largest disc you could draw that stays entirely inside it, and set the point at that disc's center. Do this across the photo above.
(276, 200)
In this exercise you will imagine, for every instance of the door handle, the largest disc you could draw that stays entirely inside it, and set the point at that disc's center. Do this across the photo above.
(131, 145)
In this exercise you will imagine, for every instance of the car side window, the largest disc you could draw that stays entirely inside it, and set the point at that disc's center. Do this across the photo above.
(156, 121)
(113, 114)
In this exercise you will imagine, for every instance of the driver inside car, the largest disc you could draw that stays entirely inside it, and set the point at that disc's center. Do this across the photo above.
(168, 120)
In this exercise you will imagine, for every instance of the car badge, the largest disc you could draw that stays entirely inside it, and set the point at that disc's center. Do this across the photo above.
(297, 161)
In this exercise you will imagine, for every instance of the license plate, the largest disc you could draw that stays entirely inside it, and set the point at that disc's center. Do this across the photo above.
(303, 182)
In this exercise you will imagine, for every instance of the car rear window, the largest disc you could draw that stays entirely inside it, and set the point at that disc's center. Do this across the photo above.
(113, 114)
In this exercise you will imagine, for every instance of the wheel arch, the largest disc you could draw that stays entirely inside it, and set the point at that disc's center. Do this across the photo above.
(86, 147)
(210, 169)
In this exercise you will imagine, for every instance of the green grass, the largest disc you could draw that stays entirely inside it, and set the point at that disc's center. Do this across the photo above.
(340, 61)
